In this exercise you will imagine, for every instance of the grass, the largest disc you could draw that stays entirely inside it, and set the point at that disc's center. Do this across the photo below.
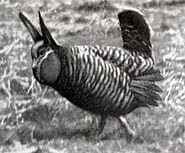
(34, 118)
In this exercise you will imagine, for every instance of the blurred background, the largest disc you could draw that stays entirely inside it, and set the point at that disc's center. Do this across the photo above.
(35, 119)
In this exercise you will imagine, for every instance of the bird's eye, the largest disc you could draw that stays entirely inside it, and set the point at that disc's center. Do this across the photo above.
(41, 52)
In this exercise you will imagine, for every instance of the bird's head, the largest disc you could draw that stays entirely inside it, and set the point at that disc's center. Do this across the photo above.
(46, 64)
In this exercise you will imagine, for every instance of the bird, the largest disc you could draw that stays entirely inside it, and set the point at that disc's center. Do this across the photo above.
(107, 81)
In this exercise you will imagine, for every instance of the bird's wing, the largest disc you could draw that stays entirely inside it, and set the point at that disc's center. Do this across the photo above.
(102, 78)
(119, 57)
(135, 32)
(105, 79)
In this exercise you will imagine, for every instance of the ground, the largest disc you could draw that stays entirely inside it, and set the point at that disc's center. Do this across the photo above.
(35, 119)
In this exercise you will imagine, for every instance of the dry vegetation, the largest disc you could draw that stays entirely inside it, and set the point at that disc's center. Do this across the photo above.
(35, 119)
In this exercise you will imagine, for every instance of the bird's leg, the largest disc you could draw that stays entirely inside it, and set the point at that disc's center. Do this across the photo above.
(130, 133)
(95, 135)
(101, 125)
(93, 125)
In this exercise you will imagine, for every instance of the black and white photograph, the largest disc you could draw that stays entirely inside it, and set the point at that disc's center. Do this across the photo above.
(92, 76)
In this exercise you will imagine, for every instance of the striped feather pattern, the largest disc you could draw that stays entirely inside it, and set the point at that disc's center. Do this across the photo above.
(93, 83)
(98, 78)
(134, 62)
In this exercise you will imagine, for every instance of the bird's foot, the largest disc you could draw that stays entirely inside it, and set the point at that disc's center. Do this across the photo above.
(93, 136)
(96, 132)
(130, 135)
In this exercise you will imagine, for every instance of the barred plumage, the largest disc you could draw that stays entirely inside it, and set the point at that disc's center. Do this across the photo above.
(104, 80)
(98, 79)
(132, 62)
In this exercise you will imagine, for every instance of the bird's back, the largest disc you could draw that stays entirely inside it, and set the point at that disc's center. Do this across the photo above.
(133, 63)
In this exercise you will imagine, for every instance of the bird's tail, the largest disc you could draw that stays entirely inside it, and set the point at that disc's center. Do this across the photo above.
(145, 90)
